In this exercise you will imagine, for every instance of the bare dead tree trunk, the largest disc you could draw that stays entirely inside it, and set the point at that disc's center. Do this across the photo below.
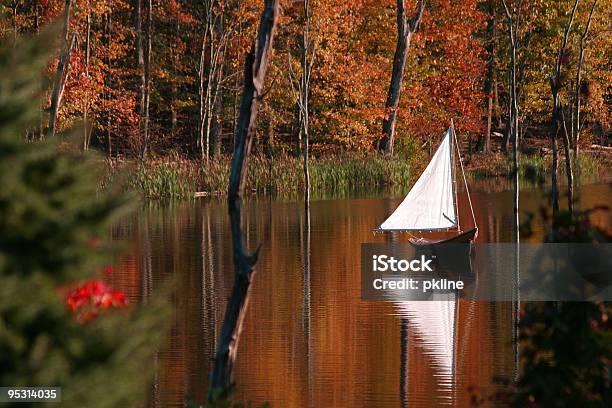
(577, 126)
(568, 165)
(491, 30)
(405, 29)
(216, 129)
(211, 69)
(256, 64)
(553, 174)
(235, 102)
(143, 51)
(147, 78)
(41, 127)
(513, 19)
(173, 86)
(108, 83)
(216, 126)
(201, 92)
(558, 119)
(62, 71)
(301, 87)
(496, 106)
(140, 62)
(308, 54)
(87, 57)
(508, 125)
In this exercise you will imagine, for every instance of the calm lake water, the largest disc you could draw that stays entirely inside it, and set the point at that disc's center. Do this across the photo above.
(308, 339)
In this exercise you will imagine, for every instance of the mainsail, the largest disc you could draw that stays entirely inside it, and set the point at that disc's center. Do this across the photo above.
(431, 202)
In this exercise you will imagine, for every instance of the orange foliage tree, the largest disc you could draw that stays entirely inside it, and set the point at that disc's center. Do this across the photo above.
(355, 43)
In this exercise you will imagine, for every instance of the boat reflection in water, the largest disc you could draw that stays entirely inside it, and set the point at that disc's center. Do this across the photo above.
(432, 324)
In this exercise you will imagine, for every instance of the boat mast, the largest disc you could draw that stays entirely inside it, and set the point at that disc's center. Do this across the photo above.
(455, 203)
(467, 191)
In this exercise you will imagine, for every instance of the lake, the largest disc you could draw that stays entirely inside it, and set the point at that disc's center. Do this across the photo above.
(308, 338)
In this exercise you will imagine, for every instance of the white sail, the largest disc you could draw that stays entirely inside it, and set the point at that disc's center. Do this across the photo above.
(430, 204)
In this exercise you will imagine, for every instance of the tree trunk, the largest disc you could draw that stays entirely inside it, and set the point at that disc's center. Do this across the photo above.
(306, 66)
(173, 86)
(143, 51)
(568, 167)
(405, 29)
(508, 127)
(496, 107)
(256, 64)
(140, 57)
(87, 56)
(147, 76)
(40, 129)
(217, 125)
(486, 148)
(61, 72)
(211, 73)
(491, 29)
(108, 83)
(513, 121)
(554, 191)
(217, 103)
(577, 127)
(558, 120)
(514, 126)
(201, 94)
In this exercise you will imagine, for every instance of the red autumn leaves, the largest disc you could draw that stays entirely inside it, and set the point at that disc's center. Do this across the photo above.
(89, 298)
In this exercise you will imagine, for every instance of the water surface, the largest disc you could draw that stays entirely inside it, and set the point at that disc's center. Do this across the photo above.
(308, 339)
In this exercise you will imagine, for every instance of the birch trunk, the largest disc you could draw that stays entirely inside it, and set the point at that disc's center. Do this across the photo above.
(87, 56)
(211, 71)
(147, 78)
(108, 84)
(491, 29)
(308, 50)
(61, 72)
(513, 20)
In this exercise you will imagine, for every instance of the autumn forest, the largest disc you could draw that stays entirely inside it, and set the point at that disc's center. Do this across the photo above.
(153, 79)
(342, 104)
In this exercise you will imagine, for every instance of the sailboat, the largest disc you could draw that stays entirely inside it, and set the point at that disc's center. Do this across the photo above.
(431, 204)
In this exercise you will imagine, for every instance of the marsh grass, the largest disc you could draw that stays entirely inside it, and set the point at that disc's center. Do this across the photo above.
(536, 169)
(164, 179)
(330, 175)
(334, 174)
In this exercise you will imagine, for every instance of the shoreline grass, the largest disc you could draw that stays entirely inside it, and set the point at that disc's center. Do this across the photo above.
(178, 178)
(330, 175)
(536, 169)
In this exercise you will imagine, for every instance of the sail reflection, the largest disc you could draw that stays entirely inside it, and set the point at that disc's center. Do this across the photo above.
(432, 326)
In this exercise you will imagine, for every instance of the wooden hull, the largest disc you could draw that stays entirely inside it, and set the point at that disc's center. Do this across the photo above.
(462, 238)
(453, 256)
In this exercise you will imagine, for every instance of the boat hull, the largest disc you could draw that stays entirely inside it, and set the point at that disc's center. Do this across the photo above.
(465, 237)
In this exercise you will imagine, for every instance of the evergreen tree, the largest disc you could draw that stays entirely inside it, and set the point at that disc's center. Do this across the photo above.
(50, 212)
